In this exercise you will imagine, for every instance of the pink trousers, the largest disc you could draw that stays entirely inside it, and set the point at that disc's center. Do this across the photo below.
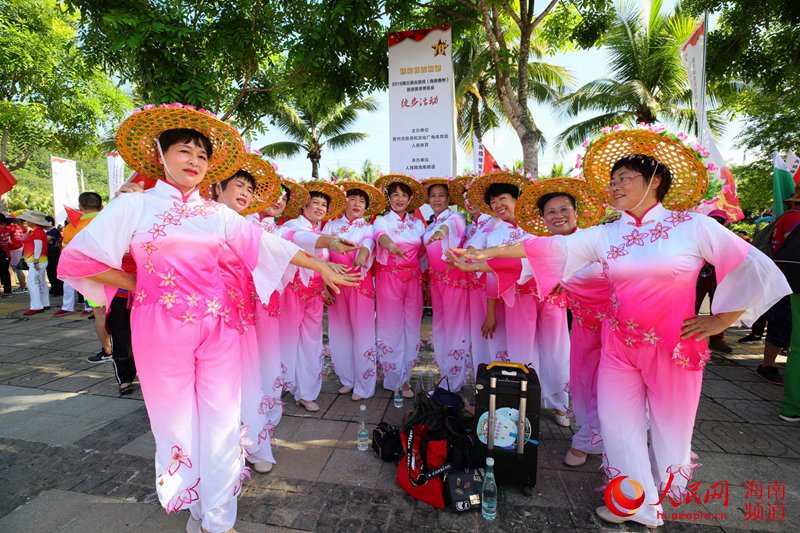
(399, 305)
(479, 347)
(631, 383)
(552, 339)
(450, 333)
(301, 344)
(190, 376)
(584, 355)
(498, 344)
(351, 332)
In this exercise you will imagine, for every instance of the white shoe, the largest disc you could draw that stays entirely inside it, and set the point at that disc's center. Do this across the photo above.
(193, 525)
(309, 405)
(605, 514)
(344, 389)
(574, 460)
(562, 420)
(263, 467)
(356, 398)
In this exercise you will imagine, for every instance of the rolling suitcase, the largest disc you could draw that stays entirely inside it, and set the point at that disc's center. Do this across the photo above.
(507, 400)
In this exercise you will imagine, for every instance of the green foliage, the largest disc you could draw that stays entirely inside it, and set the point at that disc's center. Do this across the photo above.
(51, 94)
(744, 227)
(758, 44)
(754, 186)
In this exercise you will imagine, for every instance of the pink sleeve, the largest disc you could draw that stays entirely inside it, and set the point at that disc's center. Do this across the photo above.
(507, 272)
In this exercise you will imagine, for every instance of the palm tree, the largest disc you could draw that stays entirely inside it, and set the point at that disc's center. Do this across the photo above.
(559, 170)
(647, 81)
(314, 123)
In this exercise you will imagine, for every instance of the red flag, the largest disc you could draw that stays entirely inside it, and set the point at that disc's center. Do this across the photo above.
(73, 215)
(796, 176)
(489, 164)
(7, 181)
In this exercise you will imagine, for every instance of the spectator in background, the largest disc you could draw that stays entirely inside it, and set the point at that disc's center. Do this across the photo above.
(707, 286)
(17, 234)
(35, 254)
(5, 255)
(53, 253)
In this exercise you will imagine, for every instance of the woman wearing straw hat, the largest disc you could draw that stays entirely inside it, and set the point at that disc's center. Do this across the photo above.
(185, 344)
(449, 301)
(34, 251)
(654, 349)
(351, 316)
(302, 304)
(535, 330)
(398, 280)
(475, 236)
(560, 206)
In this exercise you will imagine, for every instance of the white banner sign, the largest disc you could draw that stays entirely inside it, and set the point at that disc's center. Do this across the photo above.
(422, 103)
(116, 172)
(65, 186)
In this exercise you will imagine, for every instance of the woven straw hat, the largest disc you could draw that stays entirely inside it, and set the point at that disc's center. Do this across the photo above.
(418, 196)
(458, 186)
(267, 189)
(137, 137)
(336, 205)
(377, 202)
(529, 218)
(477, 191)
(689, 173)
(298, 198)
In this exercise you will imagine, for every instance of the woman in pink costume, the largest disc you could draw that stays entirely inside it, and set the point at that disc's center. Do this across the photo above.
(398, 280)
(449, 301)
(535, 331)
(301, 304)
(475, 236)
(654, 347)
(559, 206)
(351, 316)
(183, 335)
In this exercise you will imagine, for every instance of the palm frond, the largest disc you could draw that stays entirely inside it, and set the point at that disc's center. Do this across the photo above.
(344, 139)
(283, 148)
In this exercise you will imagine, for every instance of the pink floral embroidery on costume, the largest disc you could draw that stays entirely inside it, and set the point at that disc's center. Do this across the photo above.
(457, 354)
(193, 300)
(157, 231)
(244, 474)
(213, 307)
(178, 459)
(168, 299)
(455, 370)
(149, 247)
(150, 267)
(516, 235)
(141, 294)
(169, 219)
(617, 251)
(684, 470)
(268, 403)
(187, 317)
(609, 470)
(635, 238)
(368, 373)
(184, 497)
(169, 278)
(266, 432)
(679, 358)
(502, 356)
(382, 347)
(651, 337)
(244, 441)
(659, 231)
(702, 357)
(596, 438)
(676, 217)
(631, 324)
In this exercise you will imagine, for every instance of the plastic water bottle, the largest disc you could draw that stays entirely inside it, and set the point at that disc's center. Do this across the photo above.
(362, 436)
(489, 492)
(398, 397)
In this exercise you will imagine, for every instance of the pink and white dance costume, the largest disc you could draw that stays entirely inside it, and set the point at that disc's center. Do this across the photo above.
(301, 316)
(351, 318)
(449, 301)
(536, 331)
(652, 265)
(183, 332)
(398, 285)
(475, 237)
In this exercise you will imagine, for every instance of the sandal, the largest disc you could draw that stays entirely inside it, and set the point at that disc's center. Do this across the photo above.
(125, 389)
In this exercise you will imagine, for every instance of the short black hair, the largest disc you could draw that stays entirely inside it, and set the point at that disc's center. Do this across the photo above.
(185, 135)
(4, 220)
(320, 194)
(394, 186)
(241, 174)
(288, 192)
(496, 189)
(90, 200)
(51, 220)
(648, 167)
(549, 196)
(358, 192)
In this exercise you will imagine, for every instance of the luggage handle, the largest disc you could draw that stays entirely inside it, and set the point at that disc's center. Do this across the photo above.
(492, 410)
(523, 408)
(501, 364)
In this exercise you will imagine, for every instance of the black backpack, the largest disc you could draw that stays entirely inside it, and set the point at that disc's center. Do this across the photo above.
(787, 257)
(762, 239)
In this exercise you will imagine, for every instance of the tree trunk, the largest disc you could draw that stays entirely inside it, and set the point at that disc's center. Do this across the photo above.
(4, 146)
(530, 152)
(477, 127)
(315, 167)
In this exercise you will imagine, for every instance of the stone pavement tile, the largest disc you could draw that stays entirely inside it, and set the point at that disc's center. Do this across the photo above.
(142, 446)
(548, 492)
(786, 434)
(352, 467)
(79, 381)
(755, 411)
(764, 390)
(732, 373)
(24, 399)
(348, 439)
(746, 359)
(286, 428)
(9, 371)
(580, 488)
(83, 344)
(127, 422)
(109, 387)
(18, 340)
(318, 432)
(344, 408)
(734, 437)
(743, 512)
(395, 416)
(300, 461)
(18, 355)
(716, 389)
(733, 468)
(21, 327)
(715, 410)
(387, 478)
(291, 408)
(551, 454)
(39, 376)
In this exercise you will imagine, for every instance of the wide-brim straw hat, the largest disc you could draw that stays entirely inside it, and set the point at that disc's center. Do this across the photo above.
(137, 137)
(34, 217)
(418, 196)
(457, 187)
(336, 195)
(529, 217)
(267, 188)
(377, 202)
(689, 172)
(477, 191)
(298, 198)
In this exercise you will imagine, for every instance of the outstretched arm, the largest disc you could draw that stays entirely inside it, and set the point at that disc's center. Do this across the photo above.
(509, 251)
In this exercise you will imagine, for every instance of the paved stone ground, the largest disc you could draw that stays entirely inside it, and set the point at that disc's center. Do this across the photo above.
(75, 457)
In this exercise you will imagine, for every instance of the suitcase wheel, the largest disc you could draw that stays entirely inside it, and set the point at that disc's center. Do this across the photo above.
(527, 490)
